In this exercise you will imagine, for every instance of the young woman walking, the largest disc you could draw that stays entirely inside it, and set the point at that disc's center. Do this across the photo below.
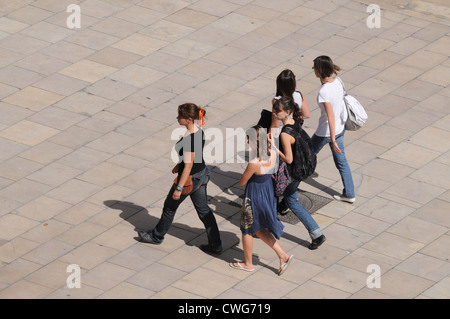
(191, 166)
(258, 215)
(283, 109)
(331, 129)
(287, 87)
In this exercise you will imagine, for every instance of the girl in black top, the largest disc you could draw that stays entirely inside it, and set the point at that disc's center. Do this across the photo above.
(191, 163)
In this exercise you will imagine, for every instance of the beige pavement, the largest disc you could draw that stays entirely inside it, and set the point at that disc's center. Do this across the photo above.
(86, 117)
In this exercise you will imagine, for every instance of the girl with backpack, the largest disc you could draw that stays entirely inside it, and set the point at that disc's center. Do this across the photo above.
(331, 129)
(258, 214)
(282, 109)
(287, 86)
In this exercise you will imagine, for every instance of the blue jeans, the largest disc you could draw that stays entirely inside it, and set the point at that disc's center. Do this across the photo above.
(340, 161)
(291, 196)
(200, 200)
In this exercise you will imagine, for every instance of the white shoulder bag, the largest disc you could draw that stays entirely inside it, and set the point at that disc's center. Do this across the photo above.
(357, 116)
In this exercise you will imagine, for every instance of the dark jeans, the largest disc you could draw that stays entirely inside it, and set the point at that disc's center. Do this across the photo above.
(200, 200)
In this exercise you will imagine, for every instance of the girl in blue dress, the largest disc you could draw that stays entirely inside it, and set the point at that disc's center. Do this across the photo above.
(258, 215)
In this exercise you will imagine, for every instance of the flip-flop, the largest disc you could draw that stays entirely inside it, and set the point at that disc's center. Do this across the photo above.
(285, 265)
(239, 266)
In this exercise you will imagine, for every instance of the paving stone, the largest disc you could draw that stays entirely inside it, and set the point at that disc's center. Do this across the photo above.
(43, 64)
(14, 225)
(114, 57)
(88, 71)
(106, 275)
(191, 18)
(53, 275)
(25, 290)
(23, 44)
(89, 255)
(156, 277)
(48, 252)
(140, 44)
(91, 39)
(125, 290)
(393, 246)
(33, 98)
(434, 211)
(312, 289)
(28, 133)
(42, 208)
(396, 283)
(11, 25)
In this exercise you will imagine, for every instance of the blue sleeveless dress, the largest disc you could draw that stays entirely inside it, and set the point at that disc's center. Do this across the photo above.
(259, 208)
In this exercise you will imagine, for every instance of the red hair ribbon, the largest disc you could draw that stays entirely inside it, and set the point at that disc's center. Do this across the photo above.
(200, 117)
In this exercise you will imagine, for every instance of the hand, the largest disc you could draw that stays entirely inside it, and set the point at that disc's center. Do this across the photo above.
(336, 148)
(176, 195)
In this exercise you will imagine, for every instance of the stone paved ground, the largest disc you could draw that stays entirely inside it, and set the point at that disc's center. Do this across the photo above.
(86, 117)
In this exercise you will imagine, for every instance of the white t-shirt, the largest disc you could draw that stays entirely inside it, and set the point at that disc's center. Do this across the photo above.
(297, 99)
(332, 92)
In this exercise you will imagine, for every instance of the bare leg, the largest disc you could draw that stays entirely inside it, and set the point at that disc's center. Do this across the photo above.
(247, 243)
(267, 237)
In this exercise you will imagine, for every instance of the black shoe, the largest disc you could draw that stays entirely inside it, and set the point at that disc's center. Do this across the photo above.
(282, 207)
(211, 250)
(146, 238)
(317, 242)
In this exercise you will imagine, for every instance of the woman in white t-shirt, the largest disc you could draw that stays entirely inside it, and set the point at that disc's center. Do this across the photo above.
(286, 86)
(332, 122)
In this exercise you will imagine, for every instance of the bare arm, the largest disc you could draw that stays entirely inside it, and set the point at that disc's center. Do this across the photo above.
(331, 123)
(286, 141)
(188, 163)
(306, 112)
(248, 173)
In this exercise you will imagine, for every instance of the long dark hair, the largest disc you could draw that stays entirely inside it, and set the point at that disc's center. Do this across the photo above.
(286, 103)
(286, 83)
(258, 135)
(325, 66)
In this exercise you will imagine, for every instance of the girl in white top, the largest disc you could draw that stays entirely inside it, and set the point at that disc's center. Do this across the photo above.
(286, 86)
(332, 119)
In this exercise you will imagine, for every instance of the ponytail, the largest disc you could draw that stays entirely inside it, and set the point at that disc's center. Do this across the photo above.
(191, 110)
(325, 66)
(258, 136)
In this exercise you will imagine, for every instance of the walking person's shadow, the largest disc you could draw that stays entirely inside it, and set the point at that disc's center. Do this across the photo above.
(141, 219)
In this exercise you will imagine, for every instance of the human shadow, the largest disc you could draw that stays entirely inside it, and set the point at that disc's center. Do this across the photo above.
(312, 182)
(238, 191)
(141, 219)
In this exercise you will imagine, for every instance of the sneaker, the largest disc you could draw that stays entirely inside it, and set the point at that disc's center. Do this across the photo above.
(146, 238)
(342, 198)
(317, 242)
(283, 208)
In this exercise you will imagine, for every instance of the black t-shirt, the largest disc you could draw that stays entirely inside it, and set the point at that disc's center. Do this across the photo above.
(194, 143)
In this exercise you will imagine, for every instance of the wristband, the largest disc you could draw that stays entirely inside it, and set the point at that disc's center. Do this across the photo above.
(179, 188)
(333, 142)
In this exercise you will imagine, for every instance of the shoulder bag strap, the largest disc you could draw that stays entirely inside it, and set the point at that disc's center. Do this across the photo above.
(343, 86)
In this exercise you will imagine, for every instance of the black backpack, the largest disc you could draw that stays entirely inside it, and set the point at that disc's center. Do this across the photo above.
(305, 160)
